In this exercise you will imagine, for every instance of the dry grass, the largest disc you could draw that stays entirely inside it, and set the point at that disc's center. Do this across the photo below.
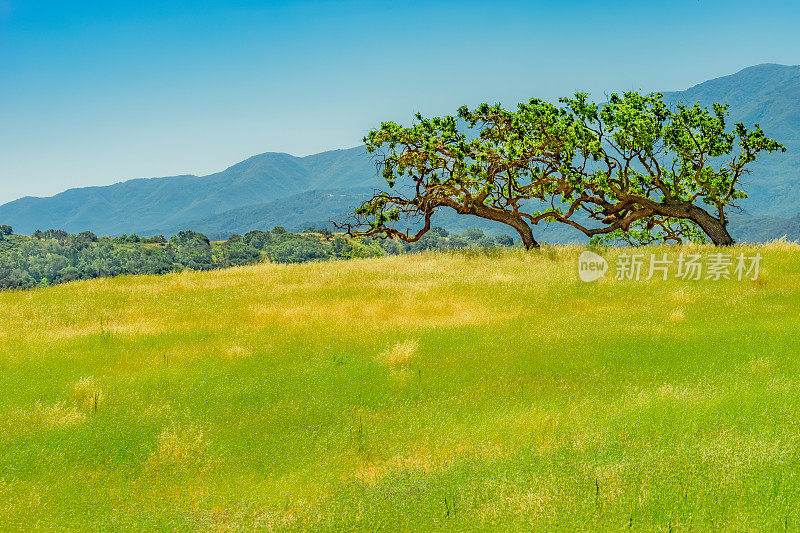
(183, 446)
(781, 245)
(399, 354)
(40, 418)
(433, 392)
(87, 393)
(677, 316)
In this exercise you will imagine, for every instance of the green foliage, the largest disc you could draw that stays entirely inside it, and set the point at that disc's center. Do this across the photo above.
(297, 249)
(257, 239)
(504, 240)
(473, 234)
(357, 248)
(58, 257)
(632, 162)
(86, 237)
(57, 234)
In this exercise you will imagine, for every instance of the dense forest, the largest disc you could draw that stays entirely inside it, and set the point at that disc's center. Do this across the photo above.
(55, 256)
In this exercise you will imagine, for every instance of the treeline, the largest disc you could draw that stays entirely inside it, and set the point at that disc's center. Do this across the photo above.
(55, 256)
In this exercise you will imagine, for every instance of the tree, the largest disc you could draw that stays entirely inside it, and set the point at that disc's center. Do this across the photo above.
(653, 169)
(66, 274)
(190, 239)
(5, 231)
(155, 239)
(355, 248)
(456, 242)
(257, 239)
(297, 250)
(192, 250)
(603, 169)
(58, 234)
(473, 234)
(237, 252)
(504, 240)
(430, 241)
(278, 230)
(86, 237)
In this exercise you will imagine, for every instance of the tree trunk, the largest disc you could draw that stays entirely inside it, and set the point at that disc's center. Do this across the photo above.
(527, 236)
(715, 229)
(516, 222)
(506, 217)
(711, 225)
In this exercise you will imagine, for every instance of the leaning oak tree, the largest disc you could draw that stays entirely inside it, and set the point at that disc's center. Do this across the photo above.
(630, 169)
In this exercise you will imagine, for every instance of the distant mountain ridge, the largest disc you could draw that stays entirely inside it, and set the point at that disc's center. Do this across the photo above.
(139, 205)
(279, 189)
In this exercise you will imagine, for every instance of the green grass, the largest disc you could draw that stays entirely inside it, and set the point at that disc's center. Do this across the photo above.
(441, 391)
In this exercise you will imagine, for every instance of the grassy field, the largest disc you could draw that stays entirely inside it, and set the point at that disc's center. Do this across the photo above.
(443, 391)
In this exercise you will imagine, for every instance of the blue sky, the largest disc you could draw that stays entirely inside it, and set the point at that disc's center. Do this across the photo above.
(94, 92)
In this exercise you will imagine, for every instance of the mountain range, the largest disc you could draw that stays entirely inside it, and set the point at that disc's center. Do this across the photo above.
(273, 189)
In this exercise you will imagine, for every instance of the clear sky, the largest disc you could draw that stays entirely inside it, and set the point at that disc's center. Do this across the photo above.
(94, 92)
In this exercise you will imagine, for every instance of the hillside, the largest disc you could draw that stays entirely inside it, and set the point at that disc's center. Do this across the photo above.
(279, 189)
(296, 212)
(436, 392)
